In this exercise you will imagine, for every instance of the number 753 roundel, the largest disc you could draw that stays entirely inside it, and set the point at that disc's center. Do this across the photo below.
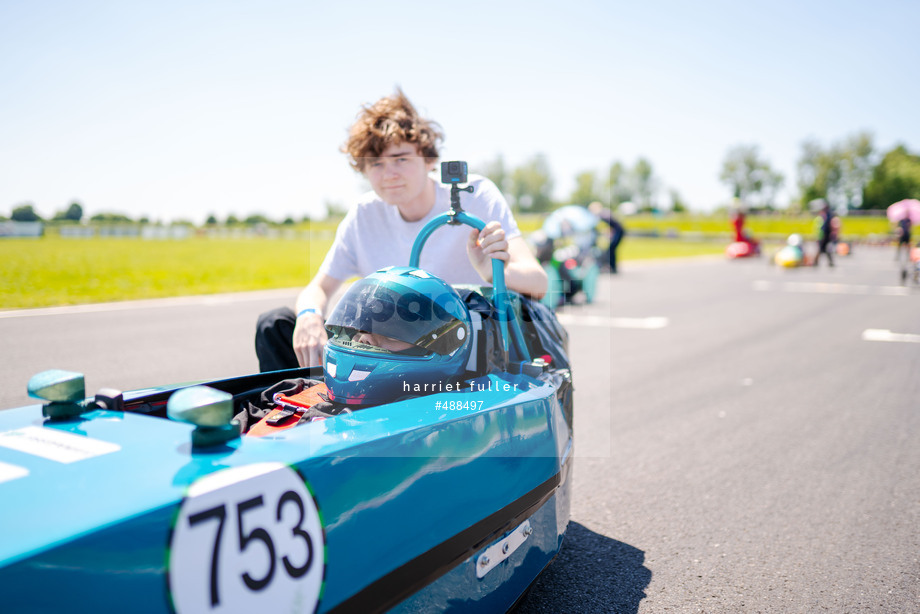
(247, 539)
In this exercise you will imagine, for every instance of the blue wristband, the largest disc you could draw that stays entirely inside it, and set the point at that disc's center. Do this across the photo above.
(308, 310)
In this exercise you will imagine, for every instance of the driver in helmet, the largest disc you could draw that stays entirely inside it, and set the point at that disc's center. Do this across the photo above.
(395, 148)
(399, 332)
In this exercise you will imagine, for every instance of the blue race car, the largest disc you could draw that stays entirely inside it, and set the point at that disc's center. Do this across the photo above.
(363, 486)
(566, 247)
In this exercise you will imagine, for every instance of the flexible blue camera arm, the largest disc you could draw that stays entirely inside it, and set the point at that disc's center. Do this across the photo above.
(500, 291)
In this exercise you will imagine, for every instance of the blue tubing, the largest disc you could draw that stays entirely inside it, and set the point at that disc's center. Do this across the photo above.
(500, 290)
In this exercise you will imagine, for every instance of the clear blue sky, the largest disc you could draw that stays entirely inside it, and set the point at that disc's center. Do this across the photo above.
(182, 108)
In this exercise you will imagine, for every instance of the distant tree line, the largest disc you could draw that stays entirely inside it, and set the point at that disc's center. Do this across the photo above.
(73, 214)
(529, 187)
(850, 173)
(26, 213)
(256, 219)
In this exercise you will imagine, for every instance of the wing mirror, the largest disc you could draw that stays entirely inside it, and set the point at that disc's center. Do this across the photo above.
(65, 392)
(210, 410)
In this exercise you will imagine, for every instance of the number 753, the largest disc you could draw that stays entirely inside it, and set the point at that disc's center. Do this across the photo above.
(262, 538)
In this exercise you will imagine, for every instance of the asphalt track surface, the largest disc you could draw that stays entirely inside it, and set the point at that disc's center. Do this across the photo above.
(747, 437)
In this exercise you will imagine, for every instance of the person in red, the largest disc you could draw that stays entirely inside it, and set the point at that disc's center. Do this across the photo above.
(737, 218)
(738, 223)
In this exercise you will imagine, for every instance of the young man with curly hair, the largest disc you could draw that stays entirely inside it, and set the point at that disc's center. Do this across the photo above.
(396, 149)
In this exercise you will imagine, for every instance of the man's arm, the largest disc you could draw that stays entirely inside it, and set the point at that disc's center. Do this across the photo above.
(309, 330)
(522, 271)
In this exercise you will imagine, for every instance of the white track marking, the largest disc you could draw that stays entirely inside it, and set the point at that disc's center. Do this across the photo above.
(880, 334)
(588, 320)
(818, 287)
(154, 303)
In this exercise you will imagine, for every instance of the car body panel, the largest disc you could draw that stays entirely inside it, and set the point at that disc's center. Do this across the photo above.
(413, 505)
(385, 480)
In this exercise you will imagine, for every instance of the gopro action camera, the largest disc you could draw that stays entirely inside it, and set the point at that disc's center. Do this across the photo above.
(453, 172)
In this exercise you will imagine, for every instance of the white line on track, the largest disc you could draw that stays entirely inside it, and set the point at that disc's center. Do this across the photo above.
(881, 334)
(818, 287)
(589, 320)
(207, 299)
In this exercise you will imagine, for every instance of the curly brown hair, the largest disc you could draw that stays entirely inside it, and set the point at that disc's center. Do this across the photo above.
(390, 121)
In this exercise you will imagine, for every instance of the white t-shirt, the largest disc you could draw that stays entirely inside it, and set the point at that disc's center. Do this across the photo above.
(373, 235)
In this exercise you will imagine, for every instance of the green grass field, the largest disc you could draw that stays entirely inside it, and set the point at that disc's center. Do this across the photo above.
(55, 271)
(52, 271)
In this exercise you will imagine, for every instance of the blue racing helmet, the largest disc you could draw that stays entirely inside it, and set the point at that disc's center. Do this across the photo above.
(396, 333)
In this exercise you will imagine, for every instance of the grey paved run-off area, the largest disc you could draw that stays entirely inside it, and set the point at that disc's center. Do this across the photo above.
(742, 443)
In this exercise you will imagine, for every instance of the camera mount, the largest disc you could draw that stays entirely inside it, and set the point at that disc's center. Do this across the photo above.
(455, 207)
(454, 173)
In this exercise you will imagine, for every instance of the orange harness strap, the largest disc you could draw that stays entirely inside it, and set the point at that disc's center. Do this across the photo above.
(282, 418)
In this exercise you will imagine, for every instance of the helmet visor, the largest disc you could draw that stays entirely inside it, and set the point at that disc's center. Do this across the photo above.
(399, 313)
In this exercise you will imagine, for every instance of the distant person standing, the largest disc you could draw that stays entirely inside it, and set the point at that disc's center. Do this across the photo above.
(902, 232)
(752, 247)
(824, 226)
(836, 225)
(738, 224)
(616, 232)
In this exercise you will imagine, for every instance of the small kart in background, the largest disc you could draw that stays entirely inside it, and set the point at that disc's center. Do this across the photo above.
(910, 268)
(742, 249)
(791, 255)
(744, 245)
(566, 247)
